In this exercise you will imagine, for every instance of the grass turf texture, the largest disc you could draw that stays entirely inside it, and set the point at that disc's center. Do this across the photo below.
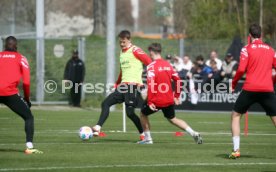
(56, 135)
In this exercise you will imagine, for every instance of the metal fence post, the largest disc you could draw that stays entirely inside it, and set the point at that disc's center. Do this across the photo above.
(81, 49)
(1, 44)
(181, 47)
(40, 51)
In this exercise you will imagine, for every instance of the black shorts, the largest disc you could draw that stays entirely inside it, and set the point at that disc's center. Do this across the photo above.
(168, 111)
(127, 93)
(266, 99)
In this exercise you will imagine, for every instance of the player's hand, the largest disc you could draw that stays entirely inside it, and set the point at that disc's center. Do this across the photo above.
(210, 75)
(232, 90)
(144, 94)
(176, 101)
(189, 75)
(28, 103)
(153, 107)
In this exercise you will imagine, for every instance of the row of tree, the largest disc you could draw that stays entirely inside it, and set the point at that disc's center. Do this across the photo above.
(204, 19)
(224, 18)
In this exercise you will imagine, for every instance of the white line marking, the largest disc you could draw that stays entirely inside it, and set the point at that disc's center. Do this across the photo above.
(138, 165)
(154, 132)
(133, 143)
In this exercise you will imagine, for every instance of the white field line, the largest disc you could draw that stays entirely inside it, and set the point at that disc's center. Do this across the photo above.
(134, 143)
(157, 132)
(134, 132)
(137, 166)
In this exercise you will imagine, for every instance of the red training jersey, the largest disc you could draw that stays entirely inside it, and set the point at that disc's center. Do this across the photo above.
(256, 60)
(160, 75)
(14, 67)
(140, 55)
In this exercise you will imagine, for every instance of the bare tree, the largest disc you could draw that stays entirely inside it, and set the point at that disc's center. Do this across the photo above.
(245, 17)
(99, 15)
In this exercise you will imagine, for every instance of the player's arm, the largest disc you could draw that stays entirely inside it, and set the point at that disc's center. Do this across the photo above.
(177, 85)
(25, 70)
(119, 79)
(151, 84)
(274, 66)
(141, 55)
(274, 61)
(242, 67)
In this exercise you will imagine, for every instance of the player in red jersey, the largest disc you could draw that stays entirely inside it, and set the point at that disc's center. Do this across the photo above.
(161, 96)
(13, 68)
(256, 60)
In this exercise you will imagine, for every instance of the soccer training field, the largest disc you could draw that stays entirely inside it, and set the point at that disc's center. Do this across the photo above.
(56, 135)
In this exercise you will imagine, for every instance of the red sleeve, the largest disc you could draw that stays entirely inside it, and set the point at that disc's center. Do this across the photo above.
(141, 55)
(242, 67)
(119, 79)
(177, 85)
(25, 70)
(274, 60)
(151, 83)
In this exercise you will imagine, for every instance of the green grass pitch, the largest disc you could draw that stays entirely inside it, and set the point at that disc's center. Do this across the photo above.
(56, 134)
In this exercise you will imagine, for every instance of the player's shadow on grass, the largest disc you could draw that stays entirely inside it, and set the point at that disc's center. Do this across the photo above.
(10, 150)
(226, 156)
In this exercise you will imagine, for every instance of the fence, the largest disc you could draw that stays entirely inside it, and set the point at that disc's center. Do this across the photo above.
(92, 50)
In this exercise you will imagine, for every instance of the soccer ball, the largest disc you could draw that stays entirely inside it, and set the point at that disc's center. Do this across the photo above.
(85, 133)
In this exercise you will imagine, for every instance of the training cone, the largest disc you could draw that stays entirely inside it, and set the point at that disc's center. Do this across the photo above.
(178, 134)
(102, 134)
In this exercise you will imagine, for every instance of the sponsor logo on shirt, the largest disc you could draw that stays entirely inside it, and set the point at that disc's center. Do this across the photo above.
(254, 46)
(164, 69)
(7, 56)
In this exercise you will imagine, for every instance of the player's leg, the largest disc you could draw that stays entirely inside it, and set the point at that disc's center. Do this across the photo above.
(268, 102)
(20, 107)
(235, 128)
(244, 101)
(130, 111)
(273, 118)
(169, 113)
(131, 101)
(145, 112)
(113, 98)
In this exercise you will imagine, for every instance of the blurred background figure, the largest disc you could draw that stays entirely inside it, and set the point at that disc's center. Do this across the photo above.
(169, 58)
(204, 71)
(214, 56)
(178, 63)
(217, 75)
(183, 66)
(235, 48)
(188, 64)
(229, 66)
(75, 72)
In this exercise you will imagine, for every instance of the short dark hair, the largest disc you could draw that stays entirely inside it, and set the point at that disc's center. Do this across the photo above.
(124, 34)
(155, 47)
(11, 43)
(255, 30)
(200, 58)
